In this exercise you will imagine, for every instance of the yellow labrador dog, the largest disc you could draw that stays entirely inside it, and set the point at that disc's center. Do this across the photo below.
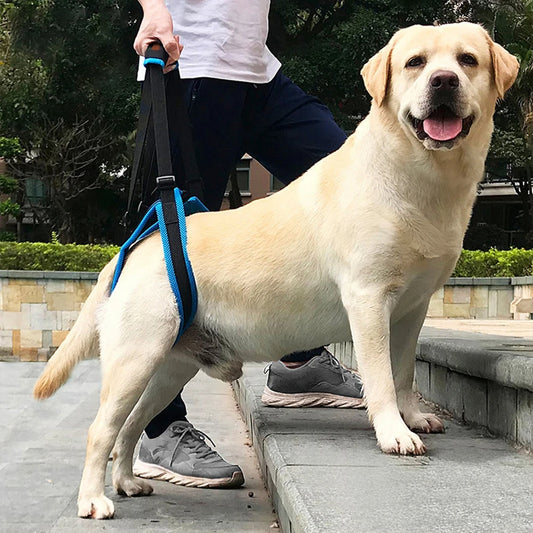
(353, 249)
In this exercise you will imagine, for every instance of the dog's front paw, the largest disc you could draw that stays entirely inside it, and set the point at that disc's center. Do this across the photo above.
(405, 443)
(424, 422)
(131, 486)
(98, 507)
(395, 437)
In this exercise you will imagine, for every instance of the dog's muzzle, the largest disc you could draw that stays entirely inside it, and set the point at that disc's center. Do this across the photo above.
(443, 121)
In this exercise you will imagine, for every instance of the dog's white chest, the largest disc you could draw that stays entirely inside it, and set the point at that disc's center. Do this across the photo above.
(422, 283)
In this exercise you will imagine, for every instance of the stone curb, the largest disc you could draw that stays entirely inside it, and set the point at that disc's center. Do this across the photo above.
(325, 474)
(486, 380)
(289, 503)
(504, 360)
(481, 379)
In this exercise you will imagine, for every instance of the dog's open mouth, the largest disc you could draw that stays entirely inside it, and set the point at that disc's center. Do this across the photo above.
(442, 125)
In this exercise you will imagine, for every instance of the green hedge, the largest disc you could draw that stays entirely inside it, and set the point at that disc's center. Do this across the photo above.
(494, 263)
(53, 256)
(91, 258)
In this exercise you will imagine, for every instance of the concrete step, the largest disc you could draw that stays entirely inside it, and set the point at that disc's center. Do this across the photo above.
(326, 474)
(480, 378)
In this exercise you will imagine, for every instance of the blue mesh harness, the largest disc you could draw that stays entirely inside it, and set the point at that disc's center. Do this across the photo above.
(153, 221)
(166, 215)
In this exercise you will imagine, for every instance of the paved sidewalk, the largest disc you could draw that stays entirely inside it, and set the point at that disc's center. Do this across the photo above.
(42, 447)
(507, 328)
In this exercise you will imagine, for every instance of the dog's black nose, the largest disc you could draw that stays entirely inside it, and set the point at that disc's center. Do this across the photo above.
(444, 79)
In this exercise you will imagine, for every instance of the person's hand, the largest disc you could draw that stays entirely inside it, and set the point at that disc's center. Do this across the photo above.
(157, 26)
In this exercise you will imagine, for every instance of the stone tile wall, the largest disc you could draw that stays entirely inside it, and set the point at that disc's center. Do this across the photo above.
(480, 298)
(37, 310)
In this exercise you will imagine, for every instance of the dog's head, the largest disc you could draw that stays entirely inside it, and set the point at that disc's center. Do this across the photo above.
(440, 81)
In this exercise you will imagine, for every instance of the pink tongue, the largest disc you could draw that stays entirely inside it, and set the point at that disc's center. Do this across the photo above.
(443, 129)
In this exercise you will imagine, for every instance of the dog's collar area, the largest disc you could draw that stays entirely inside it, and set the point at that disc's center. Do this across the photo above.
(441, 125)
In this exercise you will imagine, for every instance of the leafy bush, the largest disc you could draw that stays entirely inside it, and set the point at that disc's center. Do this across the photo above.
(9, 207)
(495, 263)
(53, 256)
(9, 147)
(92, 258)
(7, 236)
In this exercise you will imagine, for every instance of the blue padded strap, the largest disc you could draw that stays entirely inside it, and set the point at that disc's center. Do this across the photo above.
(193, 205)
(183, 226)
(135, 236)
(168, 261)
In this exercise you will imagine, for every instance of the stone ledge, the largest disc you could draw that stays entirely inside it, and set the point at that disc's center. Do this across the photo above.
(481, 379)
(48, 274)
(519, 280)
(481, 281)
(504, 360)
(522, 280)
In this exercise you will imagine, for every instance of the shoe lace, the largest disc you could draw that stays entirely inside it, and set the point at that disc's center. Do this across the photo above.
(335, 363)
(196, 442)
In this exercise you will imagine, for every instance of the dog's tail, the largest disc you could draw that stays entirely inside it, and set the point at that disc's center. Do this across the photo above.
(80, 343)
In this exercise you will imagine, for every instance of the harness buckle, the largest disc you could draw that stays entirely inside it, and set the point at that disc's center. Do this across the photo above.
(165, 182)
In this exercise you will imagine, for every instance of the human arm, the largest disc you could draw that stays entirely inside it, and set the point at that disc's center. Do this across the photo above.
(157, 26)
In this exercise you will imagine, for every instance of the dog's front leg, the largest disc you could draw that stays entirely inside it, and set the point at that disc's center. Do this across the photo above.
(369, 316)
(404, 336)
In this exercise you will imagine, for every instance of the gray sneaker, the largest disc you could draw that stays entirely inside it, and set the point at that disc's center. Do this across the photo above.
(321, 382)
(181, 455)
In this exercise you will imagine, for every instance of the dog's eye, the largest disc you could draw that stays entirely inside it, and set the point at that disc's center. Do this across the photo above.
(416, 61)
(468, 59)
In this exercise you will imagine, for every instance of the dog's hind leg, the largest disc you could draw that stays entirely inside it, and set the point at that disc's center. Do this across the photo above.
(171, 377)
(126, 373)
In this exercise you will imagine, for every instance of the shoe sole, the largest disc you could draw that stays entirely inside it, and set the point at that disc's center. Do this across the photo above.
(310, 399)
(151, 471)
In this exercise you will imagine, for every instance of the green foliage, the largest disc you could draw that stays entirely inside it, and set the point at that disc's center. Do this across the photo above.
(70, 59)
(495, 263)
(7, 184)
(92, 258)
(62, 257)
(323, 45)
(68, 91)
(9, 207)
(510, 145)
(8, 236)
(9, 147)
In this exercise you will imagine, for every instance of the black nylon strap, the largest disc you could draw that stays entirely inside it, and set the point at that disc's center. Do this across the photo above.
(143, 168)
(140, 141)
(155, 81)
(179, 118)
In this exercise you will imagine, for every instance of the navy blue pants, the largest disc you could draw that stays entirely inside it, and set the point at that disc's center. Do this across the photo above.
(277, 123)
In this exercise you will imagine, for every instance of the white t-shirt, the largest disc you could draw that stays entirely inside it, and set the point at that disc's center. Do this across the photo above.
(224, 39)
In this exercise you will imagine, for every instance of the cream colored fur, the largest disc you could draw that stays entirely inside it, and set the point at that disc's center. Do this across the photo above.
(353, 249)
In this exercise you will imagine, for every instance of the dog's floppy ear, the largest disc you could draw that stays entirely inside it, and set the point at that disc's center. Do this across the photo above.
(376, 74)
(505, 67)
